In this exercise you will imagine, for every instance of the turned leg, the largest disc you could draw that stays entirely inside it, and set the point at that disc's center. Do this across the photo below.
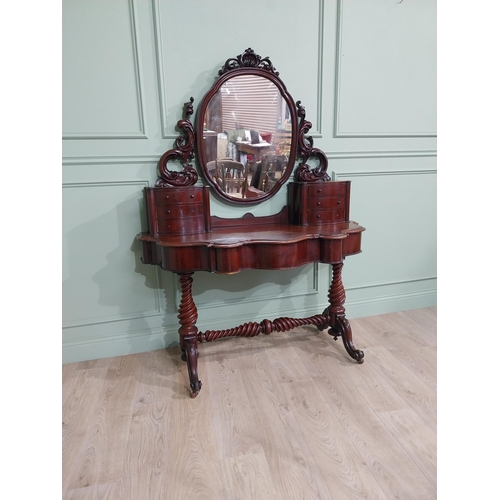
(188, 332)
(339, 324)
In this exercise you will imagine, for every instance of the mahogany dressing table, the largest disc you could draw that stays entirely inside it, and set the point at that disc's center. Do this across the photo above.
(314, 226)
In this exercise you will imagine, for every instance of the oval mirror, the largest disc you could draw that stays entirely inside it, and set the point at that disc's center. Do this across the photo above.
(247, 131)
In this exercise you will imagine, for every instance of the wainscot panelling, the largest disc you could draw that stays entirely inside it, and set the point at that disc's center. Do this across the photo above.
(224, 30)
(365, 72)
(97, 278)
(102, 78)
(385, 69)
(395, 198)
(102, 298)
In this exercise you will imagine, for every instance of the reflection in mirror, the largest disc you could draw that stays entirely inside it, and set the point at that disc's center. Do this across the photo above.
(247, 131)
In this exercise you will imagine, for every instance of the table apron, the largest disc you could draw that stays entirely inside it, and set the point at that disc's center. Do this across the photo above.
(252, 255)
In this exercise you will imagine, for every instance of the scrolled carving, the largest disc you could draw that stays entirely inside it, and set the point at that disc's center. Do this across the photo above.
(343, 328)
(304, 172)
(184, 151)
(249, 59)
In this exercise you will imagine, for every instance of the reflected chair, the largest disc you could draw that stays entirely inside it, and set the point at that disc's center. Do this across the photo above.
(234, 176)
(271, 170)
(214, 172)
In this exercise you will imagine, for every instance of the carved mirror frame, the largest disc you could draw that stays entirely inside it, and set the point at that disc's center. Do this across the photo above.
(301, 148)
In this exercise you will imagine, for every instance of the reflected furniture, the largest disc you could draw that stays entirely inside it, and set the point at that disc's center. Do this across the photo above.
(270, 170)
(257, 150)
(183, 236)
(234, 176)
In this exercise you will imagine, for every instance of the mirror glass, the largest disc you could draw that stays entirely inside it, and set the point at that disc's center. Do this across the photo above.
(247, 137)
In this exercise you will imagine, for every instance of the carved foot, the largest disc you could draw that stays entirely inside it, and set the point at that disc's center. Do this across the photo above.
(192, 362)
(194, 392)
(342, 328)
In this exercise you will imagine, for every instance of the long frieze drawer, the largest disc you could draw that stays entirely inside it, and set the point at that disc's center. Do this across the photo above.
(180, 210)
(327, 203)
(315, 216)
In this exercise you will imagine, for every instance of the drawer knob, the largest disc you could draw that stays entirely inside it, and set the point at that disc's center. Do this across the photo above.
(319, 203)
(192, 196)
(318, 216)
(339, 202)
(319, 190)
(168, 211)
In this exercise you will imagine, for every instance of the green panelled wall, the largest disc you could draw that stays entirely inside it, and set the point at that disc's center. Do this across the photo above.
(366, 72)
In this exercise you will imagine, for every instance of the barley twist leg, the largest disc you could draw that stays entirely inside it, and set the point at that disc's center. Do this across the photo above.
(188, 332)
(339, 324)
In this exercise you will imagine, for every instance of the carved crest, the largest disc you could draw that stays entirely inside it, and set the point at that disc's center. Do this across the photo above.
(249, 59)
(304, 172)
(184, 151)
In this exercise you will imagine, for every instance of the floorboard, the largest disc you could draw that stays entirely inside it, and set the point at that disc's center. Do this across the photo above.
(285, 416)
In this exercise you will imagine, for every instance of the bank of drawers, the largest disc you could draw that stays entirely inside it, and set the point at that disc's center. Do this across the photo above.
(178, 210)
(319, 203)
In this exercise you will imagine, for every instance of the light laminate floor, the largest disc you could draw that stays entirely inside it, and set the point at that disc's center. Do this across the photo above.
(287, 416)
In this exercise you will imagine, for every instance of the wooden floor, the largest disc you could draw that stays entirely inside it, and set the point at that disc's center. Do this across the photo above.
(287, 416)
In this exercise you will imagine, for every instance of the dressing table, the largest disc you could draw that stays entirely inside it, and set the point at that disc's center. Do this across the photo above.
(184, 238)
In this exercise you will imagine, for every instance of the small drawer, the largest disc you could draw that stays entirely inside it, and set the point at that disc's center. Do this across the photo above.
(168, 196)
(326, 203)
(186, 225)
(315, 216)
(177, 211)
(327, 189)
(319, 202)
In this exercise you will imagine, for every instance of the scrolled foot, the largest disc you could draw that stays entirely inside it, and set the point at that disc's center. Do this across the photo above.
(358, 356)
(192, 365)
(195, 389)
(355, 354)
(342, 328)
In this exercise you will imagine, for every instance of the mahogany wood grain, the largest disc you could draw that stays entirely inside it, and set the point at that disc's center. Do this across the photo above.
(275, 246)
